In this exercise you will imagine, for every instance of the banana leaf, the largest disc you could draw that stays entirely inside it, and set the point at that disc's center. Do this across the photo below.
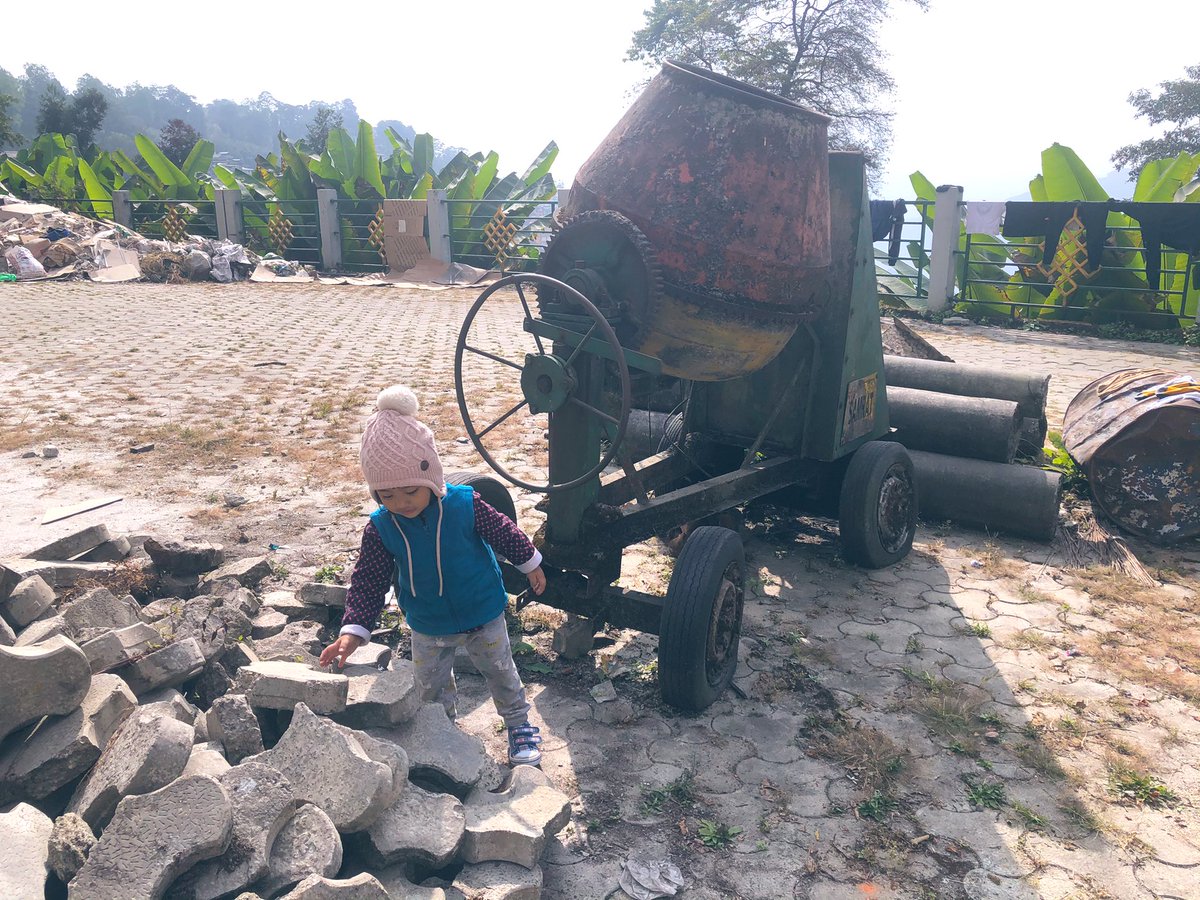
(486, 174)
(200, 159)
(165, 170)
(541, 165)
(422, 161)
(100, 197)
(422, 188)
(1067, 178)
(58, 181)
(367, 166)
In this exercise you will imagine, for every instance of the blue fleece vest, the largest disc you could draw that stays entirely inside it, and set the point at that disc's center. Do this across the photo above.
(472, 591)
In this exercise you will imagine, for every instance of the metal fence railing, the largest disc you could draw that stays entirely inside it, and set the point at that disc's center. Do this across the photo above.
(902, 259)
(362, 243)
(288, 228)
(507, 235)
(171, 220)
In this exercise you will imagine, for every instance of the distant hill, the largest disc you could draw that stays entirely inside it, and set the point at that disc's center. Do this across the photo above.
(241, 129)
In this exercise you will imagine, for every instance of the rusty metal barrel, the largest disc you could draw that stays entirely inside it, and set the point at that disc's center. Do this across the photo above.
(1136, 433)
(730, 184)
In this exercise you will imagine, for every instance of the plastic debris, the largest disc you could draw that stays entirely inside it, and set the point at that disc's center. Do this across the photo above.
(650, 879)
(21, 261)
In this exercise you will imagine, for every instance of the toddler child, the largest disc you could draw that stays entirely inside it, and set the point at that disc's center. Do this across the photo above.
(437, 540)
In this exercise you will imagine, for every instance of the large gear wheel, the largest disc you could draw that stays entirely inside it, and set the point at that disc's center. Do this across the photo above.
(606, 258)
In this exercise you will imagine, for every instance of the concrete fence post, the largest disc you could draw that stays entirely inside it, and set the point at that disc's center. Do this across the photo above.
(330, 224)
(437, 219)
(945, 241)
(122, 209)
(228, 206)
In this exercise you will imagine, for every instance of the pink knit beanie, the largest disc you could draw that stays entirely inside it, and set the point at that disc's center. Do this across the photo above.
(397, 450)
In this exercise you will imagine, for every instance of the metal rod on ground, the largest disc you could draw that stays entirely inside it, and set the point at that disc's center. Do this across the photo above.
(1018, 500)
(976, 427)
(1027, 391)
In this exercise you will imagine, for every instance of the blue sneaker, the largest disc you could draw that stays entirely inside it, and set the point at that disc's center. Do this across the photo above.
(523, 743)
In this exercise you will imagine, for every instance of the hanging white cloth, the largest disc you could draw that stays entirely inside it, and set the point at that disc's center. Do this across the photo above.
(984, 218)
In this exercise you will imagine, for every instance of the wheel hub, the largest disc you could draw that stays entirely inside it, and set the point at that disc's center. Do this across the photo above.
(895, 509)
(546, 382)
(723, 627)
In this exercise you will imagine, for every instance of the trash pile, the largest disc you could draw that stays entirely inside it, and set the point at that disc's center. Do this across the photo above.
(40, 242)
(170, 734)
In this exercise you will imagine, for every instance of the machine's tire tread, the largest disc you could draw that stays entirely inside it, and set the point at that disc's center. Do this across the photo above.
(859, 503)
(687, 610)
(492, 490)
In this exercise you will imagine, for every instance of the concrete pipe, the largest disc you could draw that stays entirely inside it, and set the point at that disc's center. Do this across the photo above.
(975, 427)
(1018, 500)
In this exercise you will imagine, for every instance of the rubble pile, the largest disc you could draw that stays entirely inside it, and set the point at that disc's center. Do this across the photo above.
(39, 241)
(166, 743)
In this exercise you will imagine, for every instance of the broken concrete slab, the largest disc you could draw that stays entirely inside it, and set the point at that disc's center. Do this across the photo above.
(205, 760)
(232, 722)
(171, 702)
(420, 828)
(249, 572)
(185, 587)
(168, 667)
(268, 623)
(25, 836)
(9, 579)
(62, 574)
(377, 698)
(263, 802)
(308, 844)
(395, 881)
(331, 769)
(298, 642)
(41, 630)
(390, 754)
(154, 837)
(158, 609)
(514, 824)
(371, 654)
(213, 682)
(99, 608)
(317, 593)
(499, 881)
(47, 679)
(217, 627)
(28, 600)
(441, 757)
(8, 637)
(73, 545)
(290, 605)
(272, 684)
(35, 765)
(110, 551)
(184, 559)
(71, 840)
(117, 647)
(148, 751)
(361, 887)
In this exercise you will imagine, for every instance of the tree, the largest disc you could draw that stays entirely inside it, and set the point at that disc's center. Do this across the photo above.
(820, 53)
(177, 139)
(80, 115)
(8, 133)
(1178, 105)
(325, 120)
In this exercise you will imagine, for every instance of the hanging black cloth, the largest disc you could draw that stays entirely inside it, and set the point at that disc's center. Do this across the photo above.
(1175, 224)
(887, 221)
(1023, 218)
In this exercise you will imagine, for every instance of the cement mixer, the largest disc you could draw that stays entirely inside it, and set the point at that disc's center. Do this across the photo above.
(715, 252)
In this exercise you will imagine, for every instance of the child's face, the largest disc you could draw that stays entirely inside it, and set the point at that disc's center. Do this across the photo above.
(406, 501)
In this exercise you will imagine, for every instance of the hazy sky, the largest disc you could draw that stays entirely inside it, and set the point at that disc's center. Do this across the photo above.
(982, 88)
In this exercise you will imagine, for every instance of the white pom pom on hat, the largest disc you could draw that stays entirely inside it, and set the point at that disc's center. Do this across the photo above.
(400, 398)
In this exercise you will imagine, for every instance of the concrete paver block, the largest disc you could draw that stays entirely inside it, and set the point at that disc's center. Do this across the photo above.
(184, 559)
(377, 697)
(64, 748)
(212, 682)
(267, 623)
(308, 844)
(372, 654)
(290, 605)
(499, 881)
(263, 802)
(40, 631)
(274, 684)
(329, 768)
(387, 752)
(71, 841)
(25, 837)
(168, 667)
(120, 645)
(205, 760)
(28, 600)
(395, 881)
(575, 638)
(514, 824)
(216, 626)
(360, 887)
(419, 827)
(154, 837)
(73, 545)
(8, 637)
(99, 608)
(439, 753)
(297, 642)
(234, 594)
(9, 578)
(47, 679)
(249, 572)
(232, 722)
(316, 593)
(148, 751)
(110, 551)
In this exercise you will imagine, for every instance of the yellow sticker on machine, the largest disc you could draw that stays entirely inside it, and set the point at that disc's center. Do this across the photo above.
(860, 407)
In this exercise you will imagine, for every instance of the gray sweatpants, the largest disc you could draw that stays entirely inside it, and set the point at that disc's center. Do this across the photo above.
(489, 649)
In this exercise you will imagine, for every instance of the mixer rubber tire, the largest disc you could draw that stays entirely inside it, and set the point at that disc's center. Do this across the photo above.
(877, 510)
(492, 490)
(702, 619)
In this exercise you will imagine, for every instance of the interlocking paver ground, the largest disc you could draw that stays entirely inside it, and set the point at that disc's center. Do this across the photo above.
(980, 720)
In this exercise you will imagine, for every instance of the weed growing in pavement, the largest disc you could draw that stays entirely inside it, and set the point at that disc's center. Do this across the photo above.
(1040, 758)
(1129, 784)
(1078, 814)
(328, 573)
(913, 645)
(979, 629)
(986, 794)
(680, 793)
(717, 835)
(1032, 820)
(1031, 595)
(878, 807)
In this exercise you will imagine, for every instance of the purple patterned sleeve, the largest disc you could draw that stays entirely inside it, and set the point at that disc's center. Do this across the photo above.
(502, 535)
(369, 583)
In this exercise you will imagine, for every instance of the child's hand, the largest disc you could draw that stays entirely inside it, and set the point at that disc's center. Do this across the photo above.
(341, 649)
(537, 580)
